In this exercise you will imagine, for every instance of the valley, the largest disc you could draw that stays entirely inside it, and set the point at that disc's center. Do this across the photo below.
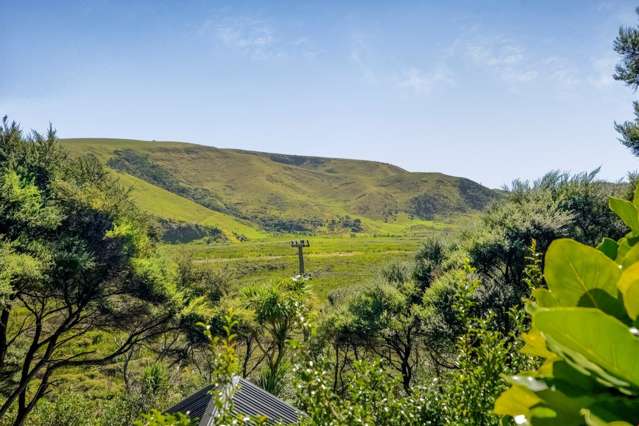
(234, 212)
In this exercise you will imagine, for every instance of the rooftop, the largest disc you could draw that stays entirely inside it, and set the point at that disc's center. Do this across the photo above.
(248, 400)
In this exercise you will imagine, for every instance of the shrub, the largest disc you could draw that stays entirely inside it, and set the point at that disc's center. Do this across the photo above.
(584, 329)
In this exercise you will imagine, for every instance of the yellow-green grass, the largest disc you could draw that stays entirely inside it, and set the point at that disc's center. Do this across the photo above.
(403, 225)
(333, 261)
(263, 185)
(161, 203)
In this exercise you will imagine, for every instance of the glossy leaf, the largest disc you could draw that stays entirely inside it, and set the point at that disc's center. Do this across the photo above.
(544, 298)
(629, 257)
(577, 274)
(626, 211)
(629, 286)
(516, 401)
(599, 338)
(536, 345)
(609, 247)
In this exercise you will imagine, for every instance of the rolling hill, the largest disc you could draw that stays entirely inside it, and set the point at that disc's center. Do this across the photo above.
(246, 194)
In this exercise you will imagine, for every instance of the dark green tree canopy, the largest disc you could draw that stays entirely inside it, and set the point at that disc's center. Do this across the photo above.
(75, 258)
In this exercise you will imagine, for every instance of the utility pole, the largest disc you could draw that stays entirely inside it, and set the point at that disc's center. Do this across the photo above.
(300, 252)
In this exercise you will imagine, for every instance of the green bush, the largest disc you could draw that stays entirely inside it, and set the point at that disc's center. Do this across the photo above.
(584, 327)
(371, 396)
(67, 409)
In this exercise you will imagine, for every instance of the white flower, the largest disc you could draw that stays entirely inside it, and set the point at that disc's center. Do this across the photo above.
(520, 419)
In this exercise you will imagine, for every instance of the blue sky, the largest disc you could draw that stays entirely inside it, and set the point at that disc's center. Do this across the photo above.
(491, 90)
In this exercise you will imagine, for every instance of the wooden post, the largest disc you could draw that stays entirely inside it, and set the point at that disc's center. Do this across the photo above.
(300, 252)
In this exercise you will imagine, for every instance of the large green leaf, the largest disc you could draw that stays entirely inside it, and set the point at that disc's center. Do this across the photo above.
(609, 247)
(516, 401)
(629, 286)
(611, 411)
(536, 345)
(595, 337)
(544, 298)
(623, 247)
(629, 257)
(626, 211)
(579, 275)
(542, 405)
(635, 200)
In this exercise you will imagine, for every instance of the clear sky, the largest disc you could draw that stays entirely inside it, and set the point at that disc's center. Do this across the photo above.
(490, 90)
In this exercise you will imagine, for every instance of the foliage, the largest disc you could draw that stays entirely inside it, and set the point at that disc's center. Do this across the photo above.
(583, 327)
(385, 319)
(557, 205)
(346, 222)
(428, 262)
(68, 409)
(78, 260)
(157, 418)
(175, 232)
(279, 310)
(484, 357)
(446, 309)
(627, 46)
(225, 366)
(371, 396)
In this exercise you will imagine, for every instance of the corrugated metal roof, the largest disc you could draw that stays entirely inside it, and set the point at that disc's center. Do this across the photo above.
(248, 400)
(195, 405)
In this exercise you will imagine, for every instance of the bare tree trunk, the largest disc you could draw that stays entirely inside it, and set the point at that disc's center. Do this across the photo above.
(247, 356)
(336, 372)
(4, 329)
(25, 409)
(407, 372)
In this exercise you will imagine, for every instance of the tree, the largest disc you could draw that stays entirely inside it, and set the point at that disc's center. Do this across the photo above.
(428, 262)
(78, 265)
(279, 311)
(627, 46)
(385, 320)
(557, 205)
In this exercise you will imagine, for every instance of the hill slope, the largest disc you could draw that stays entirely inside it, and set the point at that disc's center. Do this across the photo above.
(279, 192)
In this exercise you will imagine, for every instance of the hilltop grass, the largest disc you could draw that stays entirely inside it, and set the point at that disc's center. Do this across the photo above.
(159, 202)
(287, 192)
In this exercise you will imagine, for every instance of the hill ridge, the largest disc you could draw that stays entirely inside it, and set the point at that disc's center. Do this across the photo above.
(289, 192)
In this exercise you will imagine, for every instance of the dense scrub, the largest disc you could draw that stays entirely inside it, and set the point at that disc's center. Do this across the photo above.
(81, 284)
(181, 232)
(427, 342)
(583, 328)
(429, 205)
(529, 316)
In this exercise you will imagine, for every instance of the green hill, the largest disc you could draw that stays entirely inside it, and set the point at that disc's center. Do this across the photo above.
(245, 193)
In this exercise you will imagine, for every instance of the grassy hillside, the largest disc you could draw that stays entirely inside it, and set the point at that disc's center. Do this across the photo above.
(162, 203)
(244, 192)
